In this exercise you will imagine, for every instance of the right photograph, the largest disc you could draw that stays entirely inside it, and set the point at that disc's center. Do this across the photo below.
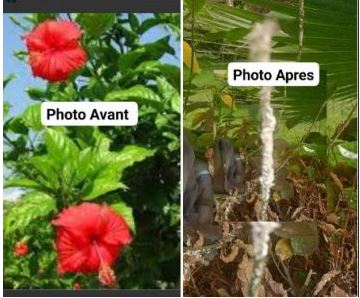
(270, 162)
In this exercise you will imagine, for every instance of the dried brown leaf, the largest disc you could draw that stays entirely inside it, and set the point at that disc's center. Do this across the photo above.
(324, 280)
(232, 255)
(337, 181)
(297, 211)
(257, 208)
(200, 242)
(272, 287)
(338, 292)
(244, 272)
(332, 218)
(330, 229)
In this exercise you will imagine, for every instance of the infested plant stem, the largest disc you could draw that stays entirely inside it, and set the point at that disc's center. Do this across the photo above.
(260, 41)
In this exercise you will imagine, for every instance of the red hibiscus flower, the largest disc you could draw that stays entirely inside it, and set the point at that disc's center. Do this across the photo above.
(21, 249)
(54, 50)
(88, 237)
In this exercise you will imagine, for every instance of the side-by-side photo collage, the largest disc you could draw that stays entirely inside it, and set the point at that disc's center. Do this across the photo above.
(180, 148)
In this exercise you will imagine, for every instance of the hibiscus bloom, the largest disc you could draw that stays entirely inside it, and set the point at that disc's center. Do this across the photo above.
(89, 237)
(21, 249)
(54, 50)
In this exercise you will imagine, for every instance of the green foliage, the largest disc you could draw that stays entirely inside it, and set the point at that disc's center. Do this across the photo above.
(218, 34)
(221, 37)
(96, 24)
(32, 206)
(126, 212)
(135, 170)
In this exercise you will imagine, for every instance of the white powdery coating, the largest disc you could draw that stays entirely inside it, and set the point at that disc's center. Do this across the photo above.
(261, 238)
(261, 231)
(260, 51)
(267, 130)
(260, 40)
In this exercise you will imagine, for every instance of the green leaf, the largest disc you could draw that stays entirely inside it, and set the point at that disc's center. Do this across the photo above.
(8, 79)
(155, 68)
(169, 93)
(130, 155)
(134, 22)
(36, 93)
(108, 167)
(102, 186)
(22, 182)
(42, 17)
(127, 213)
(230, 35)
(48, 169)
(16, 125)
(31, 206)
(31, 117)
(106, 181)
(96, 24)
(59, 146)
(146, 52)
(138, 93)
(195, 5)
(6, 108)
(304, 236)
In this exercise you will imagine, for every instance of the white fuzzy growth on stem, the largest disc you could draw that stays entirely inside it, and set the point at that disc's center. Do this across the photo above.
(261, 231)
(267, 130)
(260, 51)
(260, 41)
(261, 238)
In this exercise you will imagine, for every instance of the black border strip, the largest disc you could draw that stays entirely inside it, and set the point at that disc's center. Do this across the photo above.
(37, 6)
(91, 293)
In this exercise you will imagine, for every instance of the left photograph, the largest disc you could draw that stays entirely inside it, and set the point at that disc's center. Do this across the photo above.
(91, 207)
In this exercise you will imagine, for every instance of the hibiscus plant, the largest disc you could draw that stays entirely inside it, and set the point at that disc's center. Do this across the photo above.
(99, 206)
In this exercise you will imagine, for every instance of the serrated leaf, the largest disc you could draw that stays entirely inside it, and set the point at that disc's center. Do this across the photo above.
(127, 213)
(59, 146)
(96, 24)
(31, 206)
(138, 93)
(103, 185)
(130, 155)
(111, 165)
(190, 58)
(31, 117)
(150, 51)
(48, 169)
(16, 125)
(169, 93)
(21, 182)
(83, 165)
